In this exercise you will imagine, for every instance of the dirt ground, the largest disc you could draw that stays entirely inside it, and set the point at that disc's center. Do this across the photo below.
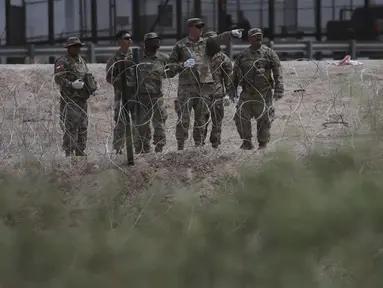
(322, 104)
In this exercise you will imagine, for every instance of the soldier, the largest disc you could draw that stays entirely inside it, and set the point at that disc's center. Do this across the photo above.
(195, 79)
(258, 70)
(221, 69)
(76, 86)
(124, 53)
(151, 71)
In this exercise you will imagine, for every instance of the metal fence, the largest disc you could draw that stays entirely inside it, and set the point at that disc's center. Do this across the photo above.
(112, 15)
(308, 49)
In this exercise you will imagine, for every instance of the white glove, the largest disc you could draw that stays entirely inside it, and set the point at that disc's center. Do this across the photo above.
(237, 33)
(78, 84)
(226, 101)
(189, 63)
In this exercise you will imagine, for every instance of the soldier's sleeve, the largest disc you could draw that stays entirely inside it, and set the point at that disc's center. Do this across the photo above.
(277, 71)
(174, 64)
(215, 68)
(222, 38)
(86, 65)
(131, 71)
(236, 76)
(110, 69)
(61, 73)
(168, 73)
(227, 68)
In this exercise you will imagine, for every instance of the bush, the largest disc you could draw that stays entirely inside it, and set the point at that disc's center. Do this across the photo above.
(313, 223)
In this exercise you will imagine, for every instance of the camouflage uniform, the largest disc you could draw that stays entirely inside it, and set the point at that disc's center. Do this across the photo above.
(151, 71)
(195, 84)
(258, 72)
(73, 103)
(112, 77)
(221, 69)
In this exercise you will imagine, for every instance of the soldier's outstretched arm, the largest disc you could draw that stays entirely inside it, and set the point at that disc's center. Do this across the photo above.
(277, 74)
(225, 37)
(61, 74)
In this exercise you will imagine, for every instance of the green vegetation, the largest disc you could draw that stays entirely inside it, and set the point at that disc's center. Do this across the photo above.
(312, 223)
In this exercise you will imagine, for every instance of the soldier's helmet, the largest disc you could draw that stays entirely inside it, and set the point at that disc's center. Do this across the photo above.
(209, 34)
(195, 22)
(73, 41)
(151, 35)
(254, 31)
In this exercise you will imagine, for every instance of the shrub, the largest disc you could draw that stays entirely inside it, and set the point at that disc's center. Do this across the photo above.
(312, 223)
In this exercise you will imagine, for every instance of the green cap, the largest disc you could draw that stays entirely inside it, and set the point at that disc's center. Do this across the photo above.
(195, 22)
(74, 41)
(151, 35)
(255, 31)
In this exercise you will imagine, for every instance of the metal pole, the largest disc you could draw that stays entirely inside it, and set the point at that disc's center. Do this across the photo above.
(222, 15)
(125, 111)
(8, 21)
(261, 15)
(197, 8)
(136, 11)
(51, 22)
(81, 14)
(179, 19)
(24, 21)
(318, 19)
(112, 17)
(94, 21)
(85, 3)
(238, 9)
(272, 19)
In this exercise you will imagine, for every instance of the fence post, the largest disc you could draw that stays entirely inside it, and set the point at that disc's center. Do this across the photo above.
(352, 49)
(91, 53)
(309, 50)
(30, 59)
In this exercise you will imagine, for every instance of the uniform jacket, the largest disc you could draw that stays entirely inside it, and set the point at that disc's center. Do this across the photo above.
(67, 70)
(258, 70)
(186, 48)
(221, 70)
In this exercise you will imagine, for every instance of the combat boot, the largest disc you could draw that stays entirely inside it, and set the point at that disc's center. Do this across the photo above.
(180, 145)
(262, 145)
(80, 153)
(68, 153)
(247, 145)
(147, 149)
(158, 148)
(138, 150)
(215, 145)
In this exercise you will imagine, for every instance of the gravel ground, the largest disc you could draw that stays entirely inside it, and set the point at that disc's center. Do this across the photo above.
(316, 93)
